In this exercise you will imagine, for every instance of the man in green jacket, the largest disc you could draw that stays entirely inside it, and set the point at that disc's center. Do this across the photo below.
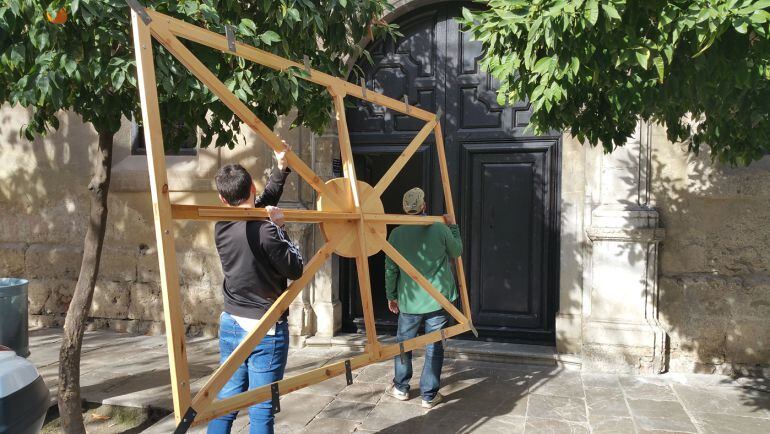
(428, 249)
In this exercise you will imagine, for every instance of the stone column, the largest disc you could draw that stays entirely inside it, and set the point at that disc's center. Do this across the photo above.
(326, 300)
(621, 332)
(301, 314)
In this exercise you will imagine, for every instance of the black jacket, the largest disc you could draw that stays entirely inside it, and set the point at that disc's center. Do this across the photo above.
(257, 257)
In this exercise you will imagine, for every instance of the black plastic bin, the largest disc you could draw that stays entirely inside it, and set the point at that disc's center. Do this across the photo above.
(14, 331)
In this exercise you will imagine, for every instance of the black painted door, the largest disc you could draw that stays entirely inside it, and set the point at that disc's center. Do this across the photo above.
(504, 180)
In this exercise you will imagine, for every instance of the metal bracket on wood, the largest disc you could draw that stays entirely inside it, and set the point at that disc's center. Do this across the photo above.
(363, 87)
(186, 421)
(406, 104)
(230, 35)
(401, 351)
(439, 113)
(348, 372)
(275, 401)
(306, 62)
(139, 9)
(443, 337)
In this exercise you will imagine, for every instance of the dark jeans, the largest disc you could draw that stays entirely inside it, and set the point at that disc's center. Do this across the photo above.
(263, 366)
(434, 353)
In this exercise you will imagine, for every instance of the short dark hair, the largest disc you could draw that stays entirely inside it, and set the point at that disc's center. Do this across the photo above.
(233, 183)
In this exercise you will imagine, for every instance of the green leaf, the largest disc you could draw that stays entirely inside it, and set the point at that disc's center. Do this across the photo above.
(575, 65)
(247, 27)
(643, 57)
(74, 6)
(294, 15)
(610, 10)
(117, 78)
(467, 15)
(760, 17)
(592, 11)
(659, 66)
(543, 65)
(269, 37)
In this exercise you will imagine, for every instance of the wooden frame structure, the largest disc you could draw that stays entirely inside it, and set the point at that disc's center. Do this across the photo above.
(349, 211)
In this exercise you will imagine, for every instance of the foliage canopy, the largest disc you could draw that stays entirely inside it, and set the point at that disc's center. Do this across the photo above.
(593, 67)
(87, 64)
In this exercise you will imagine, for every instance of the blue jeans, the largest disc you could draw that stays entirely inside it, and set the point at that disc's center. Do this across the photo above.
(263, 366)
(430, 378)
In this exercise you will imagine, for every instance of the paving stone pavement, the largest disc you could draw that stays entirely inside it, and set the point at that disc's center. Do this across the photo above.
(480, 397)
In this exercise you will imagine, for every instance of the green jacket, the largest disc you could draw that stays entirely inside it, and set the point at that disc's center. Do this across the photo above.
(428, 249)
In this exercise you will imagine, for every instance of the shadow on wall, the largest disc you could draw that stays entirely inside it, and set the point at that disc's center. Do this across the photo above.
(714, 263)
(44, 207)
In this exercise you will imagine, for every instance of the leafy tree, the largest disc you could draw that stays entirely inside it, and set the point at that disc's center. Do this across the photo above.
(77, 55)
(593, 67)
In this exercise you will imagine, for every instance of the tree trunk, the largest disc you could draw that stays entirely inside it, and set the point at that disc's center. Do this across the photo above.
(77, 313)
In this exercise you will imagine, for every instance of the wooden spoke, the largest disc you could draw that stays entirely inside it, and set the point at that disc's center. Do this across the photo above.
(450, 209)
(362, 259)
(400, 162)
(223, 213)
(225, 371)
(422, 281)
(161, 205)
(219, 42)
(175, 47)
(403, 219)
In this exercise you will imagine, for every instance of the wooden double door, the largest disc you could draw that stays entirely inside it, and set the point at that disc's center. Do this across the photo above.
(505, 181)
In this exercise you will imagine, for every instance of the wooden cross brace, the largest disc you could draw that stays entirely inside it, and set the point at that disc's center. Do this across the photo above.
(349, 211)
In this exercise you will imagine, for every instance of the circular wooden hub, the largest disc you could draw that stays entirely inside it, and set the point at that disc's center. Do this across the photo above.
(334, 230)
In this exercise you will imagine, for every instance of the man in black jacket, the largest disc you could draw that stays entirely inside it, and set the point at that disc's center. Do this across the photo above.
(257, 258)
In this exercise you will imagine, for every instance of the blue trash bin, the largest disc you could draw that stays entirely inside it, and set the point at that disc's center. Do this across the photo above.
(14, 331)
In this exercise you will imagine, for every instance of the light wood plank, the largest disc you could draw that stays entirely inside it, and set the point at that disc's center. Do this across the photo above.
(422, 281)
(403, 219)
(219, 42)
(161, 206)
(400, 162)
(297, 382)
(218, 379)
(362, 260)
(450, 209)
(188, 59)
(223, 213)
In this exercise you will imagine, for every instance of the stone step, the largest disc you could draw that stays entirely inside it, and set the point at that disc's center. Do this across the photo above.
(460, 349)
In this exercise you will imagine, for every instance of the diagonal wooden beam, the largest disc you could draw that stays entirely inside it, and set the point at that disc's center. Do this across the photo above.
(400, 162)
(420, 279)
(218, 379)
(450, 209)
(219, 42)
(161, 206)
(188, 59)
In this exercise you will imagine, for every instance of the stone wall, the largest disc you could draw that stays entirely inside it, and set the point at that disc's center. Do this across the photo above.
(715, 260)
(674, 273)
(44, 207)
(712, 297)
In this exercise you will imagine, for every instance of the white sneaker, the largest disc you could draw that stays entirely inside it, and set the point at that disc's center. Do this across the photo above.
(393, 391)
(433, 402)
